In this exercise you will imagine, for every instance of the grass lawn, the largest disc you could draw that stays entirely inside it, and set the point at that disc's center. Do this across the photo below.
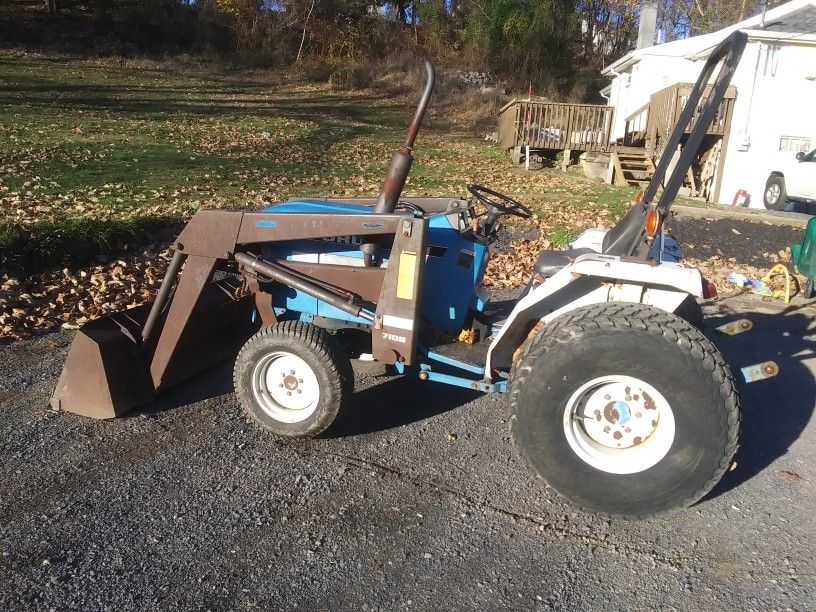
(97, 156)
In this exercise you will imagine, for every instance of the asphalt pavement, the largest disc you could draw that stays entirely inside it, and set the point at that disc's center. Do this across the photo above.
(414, 501)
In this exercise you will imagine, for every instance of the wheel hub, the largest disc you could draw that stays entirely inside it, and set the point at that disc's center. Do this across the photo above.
(773, 193)
(619, 424)
(616, 415)
(286, 387)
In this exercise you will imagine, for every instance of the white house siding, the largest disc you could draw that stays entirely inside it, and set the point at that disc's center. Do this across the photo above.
(650, 70)
(633, 89)
(783, 104)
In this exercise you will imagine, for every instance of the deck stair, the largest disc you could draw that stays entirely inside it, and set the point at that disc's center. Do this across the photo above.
(632, 166)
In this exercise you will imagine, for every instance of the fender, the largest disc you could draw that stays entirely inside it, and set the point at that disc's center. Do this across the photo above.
(591, 279)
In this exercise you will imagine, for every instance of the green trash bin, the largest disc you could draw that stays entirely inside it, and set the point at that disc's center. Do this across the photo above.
(804, 257)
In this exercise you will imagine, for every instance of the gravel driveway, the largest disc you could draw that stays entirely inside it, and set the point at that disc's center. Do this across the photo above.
(416, 501)
(747, 242)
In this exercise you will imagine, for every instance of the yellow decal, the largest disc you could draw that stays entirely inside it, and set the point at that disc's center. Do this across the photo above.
(406, 274)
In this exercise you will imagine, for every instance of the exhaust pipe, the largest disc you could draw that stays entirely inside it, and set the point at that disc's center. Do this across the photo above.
(401, 161)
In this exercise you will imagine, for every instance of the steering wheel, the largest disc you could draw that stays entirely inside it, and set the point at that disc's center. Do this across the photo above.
(499, 203)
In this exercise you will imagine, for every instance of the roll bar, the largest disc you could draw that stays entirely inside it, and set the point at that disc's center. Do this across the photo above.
(729, 53)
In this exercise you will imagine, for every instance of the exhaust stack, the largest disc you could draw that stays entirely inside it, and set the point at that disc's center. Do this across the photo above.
(402, 159)
(401, 162)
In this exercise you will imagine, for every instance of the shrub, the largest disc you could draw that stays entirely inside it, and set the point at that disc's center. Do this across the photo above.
(351, 77)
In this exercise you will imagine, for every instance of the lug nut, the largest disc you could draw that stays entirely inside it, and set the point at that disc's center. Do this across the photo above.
(300, 380)
(288, 393)
(299, 391)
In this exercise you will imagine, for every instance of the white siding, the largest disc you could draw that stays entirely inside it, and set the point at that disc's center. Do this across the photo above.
(652, 73)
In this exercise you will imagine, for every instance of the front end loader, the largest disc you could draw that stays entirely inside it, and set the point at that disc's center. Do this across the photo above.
(615, 399)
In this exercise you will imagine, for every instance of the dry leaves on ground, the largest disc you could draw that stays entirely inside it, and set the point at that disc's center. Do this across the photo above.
(512, 269)
(717, 269)
(69, 298)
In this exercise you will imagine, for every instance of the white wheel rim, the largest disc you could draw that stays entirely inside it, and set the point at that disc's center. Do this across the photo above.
(619, 424)
(772, 193)
(285, 387)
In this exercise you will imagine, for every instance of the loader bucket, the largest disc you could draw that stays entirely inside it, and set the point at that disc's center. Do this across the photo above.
(111, 370)
(105, 374)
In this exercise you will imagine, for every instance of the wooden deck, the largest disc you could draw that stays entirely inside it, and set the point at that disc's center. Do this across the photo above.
(554, 125)
(567, 127)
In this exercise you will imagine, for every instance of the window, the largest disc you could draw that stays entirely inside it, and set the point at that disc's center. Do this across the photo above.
(794, 144)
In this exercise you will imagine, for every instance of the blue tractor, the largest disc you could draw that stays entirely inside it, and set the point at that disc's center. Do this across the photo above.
(614, 397)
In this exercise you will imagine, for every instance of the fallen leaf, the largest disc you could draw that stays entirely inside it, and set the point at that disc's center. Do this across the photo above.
(789, 476)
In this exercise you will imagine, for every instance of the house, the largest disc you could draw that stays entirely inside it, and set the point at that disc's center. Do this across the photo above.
(768, 115)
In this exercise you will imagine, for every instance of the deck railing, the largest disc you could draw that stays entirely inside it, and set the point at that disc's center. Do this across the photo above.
(553, 125)
(636, 124)
(663, 111)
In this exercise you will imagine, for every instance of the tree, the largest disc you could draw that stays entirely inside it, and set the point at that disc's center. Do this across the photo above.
(682, 18)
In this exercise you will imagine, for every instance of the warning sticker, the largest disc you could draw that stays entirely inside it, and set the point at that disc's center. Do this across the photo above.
(406, 274)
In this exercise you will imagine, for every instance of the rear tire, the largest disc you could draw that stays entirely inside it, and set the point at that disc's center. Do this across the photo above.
(775, 197)
(292, 379)
(661, 445)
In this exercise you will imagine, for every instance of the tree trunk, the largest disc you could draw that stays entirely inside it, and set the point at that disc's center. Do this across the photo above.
(303, 38)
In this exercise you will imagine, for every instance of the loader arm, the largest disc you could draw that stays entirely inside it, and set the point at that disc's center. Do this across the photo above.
(120, 361)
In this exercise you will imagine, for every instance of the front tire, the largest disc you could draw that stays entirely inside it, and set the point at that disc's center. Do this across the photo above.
(624, 409)
(775, 197)
(292, 379)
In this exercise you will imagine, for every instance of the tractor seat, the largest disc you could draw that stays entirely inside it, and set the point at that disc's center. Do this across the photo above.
(615, 242)
(550, 262)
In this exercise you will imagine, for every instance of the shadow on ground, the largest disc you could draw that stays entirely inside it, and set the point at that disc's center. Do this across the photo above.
(399, 401)
(774, 411)
(211, 383)
(391, 402)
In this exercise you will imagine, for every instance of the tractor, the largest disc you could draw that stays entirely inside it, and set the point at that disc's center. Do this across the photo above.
(614, 397)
